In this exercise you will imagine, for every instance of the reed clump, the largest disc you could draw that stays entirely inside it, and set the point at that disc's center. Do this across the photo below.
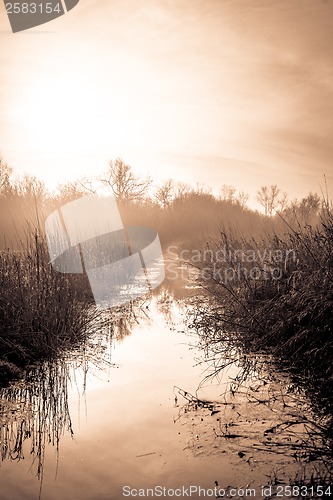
(42, 311)
(277, 294)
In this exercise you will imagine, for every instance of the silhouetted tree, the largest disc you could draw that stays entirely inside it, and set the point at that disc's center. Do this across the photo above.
(283, 201)
(268, 198)
(183, 190)
(165, 193)
(242, 198)
(30, 188)
(5, 174)
(310, 205)
(71, 191)
(305, 210)
(227, 193)
(123, 183)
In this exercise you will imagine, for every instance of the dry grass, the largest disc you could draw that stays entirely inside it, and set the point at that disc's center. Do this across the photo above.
(41, 311)
(290, 316)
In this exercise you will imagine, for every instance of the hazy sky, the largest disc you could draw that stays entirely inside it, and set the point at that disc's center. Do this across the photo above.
(211, 91)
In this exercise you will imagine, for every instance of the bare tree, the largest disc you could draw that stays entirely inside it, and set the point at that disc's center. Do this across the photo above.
(227, 193)
(263, 198)
(123, 183)
(30, 187)
(309, 206)
(202, 189)
(165, 193)
(71, 191)
(242, 198)
(305, 210)
(183, 190)
(268, 197)
(5, 174)
(283, 201)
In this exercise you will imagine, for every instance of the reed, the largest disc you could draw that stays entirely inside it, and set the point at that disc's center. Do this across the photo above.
(42, 311)
(34, 413)
(288, 313)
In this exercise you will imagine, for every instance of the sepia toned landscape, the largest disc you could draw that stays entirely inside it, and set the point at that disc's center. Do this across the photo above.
(249, 293)
(166, 250)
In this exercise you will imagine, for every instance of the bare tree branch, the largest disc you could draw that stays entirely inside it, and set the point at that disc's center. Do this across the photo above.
(123, 183)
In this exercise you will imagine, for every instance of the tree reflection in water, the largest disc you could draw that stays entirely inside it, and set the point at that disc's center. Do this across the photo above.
(34, 412)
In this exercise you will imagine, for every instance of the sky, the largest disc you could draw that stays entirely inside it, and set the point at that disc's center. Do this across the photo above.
(212, 92)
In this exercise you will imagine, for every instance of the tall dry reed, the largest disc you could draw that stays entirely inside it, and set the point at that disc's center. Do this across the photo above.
(41, 311)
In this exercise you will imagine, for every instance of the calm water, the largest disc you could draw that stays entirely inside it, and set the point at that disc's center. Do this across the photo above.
(112, 417)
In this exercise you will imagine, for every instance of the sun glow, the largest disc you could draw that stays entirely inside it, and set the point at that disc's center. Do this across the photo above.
(66, 115)
(74, 121)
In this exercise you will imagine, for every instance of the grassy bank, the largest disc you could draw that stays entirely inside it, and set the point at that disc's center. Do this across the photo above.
(42, 312)
(276, 294)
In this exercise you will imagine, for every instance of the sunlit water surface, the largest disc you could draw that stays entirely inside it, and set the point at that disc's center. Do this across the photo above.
(114, 417)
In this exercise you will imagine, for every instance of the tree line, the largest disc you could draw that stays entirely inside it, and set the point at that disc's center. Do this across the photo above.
(178, 210)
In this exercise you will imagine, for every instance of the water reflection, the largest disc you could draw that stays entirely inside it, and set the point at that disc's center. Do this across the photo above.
(262, 416)
(35, 413)
(159, 401)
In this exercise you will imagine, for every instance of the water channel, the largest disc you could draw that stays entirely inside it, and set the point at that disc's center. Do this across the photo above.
(133, 410)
